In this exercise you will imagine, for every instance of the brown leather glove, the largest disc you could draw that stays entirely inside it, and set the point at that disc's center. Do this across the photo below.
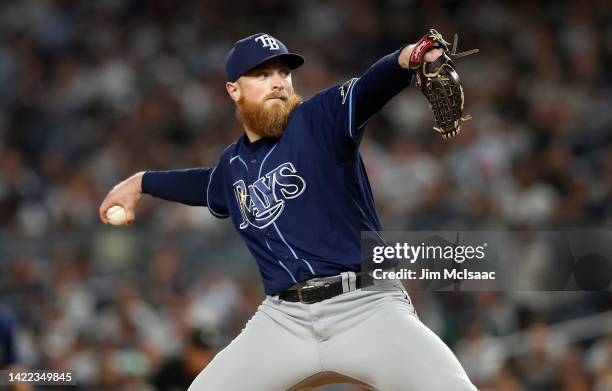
(440, 83)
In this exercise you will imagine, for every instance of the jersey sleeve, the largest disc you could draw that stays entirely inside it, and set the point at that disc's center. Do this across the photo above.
(338, 115)
(202, 186)
(330, 117)
(215, 192)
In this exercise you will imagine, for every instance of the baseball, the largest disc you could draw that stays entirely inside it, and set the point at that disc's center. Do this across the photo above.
(116, 215)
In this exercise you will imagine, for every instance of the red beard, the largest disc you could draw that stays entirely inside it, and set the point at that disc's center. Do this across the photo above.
(267, 122)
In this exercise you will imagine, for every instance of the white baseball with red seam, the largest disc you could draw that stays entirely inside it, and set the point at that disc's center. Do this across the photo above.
(116, 215)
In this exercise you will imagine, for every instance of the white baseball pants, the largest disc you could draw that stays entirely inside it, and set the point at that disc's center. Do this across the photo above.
(367, 337)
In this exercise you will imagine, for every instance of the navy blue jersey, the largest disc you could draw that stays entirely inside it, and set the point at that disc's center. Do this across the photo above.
(299, 202)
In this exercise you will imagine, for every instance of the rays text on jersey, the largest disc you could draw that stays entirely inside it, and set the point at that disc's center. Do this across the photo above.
(263, 201)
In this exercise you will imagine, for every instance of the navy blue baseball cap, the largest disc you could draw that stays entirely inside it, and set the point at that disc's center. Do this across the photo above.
(254, 50)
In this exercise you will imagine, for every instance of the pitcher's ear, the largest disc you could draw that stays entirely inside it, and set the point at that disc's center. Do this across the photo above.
(233, 89)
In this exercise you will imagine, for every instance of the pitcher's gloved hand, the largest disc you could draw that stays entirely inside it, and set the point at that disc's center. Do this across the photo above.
(440, 83)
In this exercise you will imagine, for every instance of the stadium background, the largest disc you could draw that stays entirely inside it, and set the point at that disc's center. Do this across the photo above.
(93, 91)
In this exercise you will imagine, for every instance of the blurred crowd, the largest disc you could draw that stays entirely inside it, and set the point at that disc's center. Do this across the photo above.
(93, 91)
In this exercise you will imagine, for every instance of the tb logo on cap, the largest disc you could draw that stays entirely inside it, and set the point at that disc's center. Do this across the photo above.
(267, 42)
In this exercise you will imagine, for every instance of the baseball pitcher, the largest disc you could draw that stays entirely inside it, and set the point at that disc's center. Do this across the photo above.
(295, 188)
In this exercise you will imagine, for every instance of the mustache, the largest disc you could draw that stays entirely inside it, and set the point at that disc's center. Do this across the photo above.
(283, 96)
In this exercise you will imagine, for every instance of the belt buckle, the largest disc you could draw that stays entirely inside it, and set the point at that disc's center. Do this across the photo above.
(306, 289)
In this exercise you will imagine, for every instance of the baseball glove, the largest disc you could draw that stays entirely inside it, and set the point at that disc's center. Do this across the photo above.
(440, 83)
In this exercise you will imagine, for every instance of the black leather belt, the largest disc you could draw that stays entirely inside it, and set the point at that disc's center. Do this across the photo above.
(314, 291)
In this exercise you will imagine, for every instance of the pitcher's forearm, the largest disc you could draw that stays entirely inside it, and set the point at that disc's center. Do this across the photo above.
(187, 186)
